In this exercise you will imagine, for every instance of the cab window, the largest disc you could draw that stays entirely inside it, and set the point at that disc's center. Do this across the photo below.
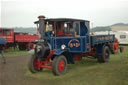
(68, 29)
(58, 27)
(48, 27)
(77, 28)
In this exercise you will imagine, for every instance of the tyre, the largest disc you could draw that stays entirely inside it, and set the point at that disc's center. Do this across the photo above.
(22, 47)
(33, 64)
(105, 55)
(121, 49)
(59, 65)
(112, 48)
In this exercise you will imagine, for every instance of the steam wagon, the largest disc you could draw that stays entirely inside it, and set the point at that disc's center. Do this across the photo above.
(63, 41)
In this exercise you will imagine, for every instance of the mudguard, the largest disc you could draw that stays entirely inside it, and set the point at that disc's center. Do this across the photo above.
(100, 49)
(58, 52)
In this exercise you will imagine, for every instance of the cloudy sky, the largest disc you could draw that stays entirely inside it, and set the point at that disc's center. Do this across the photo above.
(23, 13)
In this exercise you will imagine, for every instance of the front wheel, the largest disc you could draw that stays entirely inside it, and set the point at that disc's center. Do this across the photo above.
(105, 55)
(34, 64)
(59, 65)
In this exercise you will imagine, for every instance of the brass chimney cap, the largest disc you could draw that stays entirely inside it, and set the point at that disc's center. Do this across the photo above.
(41, 17)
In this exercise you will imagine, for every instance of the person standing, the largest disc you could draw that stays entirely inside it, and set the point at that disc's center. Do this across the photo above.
(2, 53)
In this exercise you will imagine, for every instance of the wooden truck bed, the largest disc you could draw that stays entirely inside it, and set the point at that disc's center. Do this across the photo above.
(100, 39)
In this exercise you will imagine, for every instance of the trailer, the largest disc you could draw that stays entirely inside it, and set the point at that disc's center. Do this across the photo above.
(14, 39)
(122, 37)
(64, 40)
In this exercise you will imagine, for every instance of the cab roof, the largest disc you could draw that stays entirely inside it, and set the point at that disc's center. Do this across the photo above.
(62, 20)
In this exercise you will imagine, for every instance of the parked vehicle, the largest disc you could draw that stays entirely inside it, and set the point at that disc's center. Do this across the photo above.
(22, 40)
(64, 41)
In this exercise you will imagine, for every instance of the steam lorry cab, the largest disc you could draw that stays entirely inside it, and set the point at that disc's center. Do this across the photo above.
(64, 40)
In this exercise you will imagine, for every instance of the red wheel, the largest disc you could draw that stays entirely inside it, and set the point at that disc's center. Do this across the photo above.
(34, 65)
(105, 56)
(59, 65)
(114, 46)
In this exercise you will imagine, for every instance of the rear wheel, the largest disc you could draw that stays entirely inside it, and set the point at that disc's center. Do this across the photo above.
(59, 65)
(34, 64)
(114, 46)
(105, 56)
(121, 49)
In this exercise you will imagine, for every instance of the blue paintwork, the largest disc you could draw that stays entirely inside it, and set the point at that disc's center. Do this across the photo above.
(66, 41)
(79, 44)
(83, 40)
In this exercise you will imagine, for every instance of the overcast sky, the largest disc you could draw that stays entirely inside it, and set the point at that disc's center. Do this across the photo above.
(99, 12)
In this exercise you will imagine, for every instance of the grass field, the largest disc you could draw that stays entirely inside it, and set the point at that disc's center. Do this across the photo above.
(89, 72)
(12, 53)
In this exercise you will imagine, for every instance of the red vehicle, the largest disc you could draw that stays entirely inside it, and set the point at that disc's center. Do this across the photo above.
(22, 40)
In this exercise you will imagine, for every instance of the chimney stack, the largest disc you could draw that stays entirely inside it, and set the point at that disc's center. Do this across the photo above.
(41, 17)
